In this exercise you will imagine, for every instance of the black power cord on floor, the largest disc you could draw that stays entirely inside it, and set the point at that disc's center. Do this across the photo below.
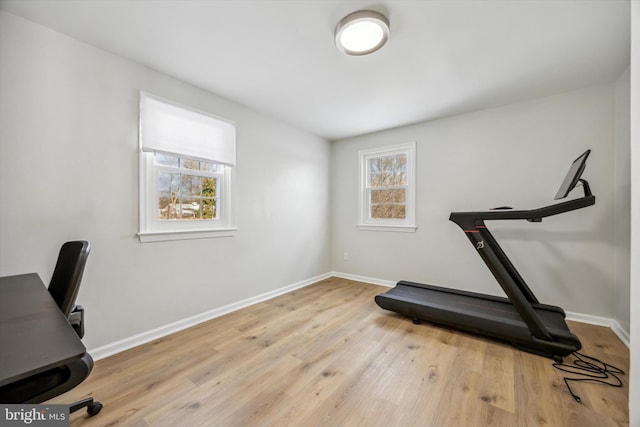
(590, 369)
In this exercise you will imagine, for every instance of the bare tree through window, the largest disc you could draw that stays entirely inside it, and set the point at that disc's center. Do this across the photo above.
(387, 186)
(187, 189)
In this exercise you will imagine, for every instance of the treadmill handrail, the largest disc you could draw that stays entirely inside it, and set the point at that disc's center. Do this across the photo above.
(535, 215)
(514, 286)
(541, 336)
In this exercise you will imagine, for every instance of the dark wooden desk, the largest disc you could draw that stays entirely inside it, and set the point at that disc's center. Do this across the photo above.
(34, 334)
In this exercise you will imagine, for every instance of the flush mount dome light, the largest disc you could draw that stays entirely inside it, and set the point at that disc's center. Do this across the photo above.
(362, 32)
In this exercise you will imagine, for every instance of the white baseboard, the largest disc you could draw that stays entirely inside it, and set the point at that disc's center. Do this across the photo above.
(623, 334)
(602, 321)
(578, 317)
(136, 340)
(587, 318)
(373, 281)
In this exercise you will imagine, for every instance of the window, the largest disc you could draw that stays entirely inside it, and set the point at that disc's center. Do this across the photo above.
(187, 161)
(387, 188)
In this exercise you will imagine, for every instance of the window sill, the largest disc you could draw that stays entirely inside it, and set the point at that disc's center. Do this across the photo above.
(382, 227)
(165, 236)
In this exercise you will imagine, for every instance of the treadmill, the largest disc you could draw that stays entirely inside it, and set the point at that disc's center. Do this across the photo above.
(520, 319)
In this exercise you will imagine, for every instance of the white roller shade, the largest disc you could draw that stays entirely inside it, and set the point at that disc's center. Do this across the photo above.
(178, 131)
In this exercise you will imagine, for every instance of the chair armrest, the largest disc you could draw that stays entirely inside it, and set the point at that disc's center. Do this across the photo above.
(76, 318)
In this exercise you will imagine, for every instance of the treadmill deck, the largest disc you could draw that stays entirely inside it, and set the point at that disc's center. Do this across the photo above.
(482, 314)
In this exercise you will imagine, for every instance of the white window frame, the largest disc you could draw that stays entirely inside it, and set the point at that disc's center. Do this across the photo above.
(365, 222)
(152, 229)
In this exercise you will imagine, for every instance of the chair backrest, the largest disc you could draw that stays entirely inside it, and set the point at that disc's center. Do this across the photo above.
(67, 275)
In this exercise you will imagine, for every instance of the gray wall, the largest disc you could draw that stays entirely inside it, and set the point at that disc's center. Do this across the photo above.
(622, 219)
(634, 381)
(69, 170)
(516, 155)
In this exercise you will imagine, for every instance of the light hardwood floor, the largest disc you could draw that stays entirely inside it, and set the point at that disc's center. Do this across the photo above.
(327, 355)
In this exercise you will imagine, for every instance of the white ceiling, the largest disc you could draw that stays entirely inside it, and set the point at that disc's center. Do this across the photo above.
(278, 56)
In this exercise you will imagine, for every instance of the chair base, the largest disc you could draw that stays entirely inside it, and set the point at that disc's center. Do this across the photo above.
(92, 406)
(46, 385)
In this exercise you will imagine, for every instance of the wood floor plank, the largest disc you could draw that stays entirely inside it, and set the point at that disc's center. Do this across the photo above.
(327, 355)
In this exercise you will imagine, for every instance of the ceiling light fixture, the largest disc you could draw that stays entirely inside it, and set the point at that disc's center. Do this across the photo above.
(362, 32)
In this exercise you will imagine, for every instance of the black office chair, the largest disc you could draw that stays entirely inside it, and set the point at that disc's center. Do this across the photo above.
(63, 287)
(65, 282)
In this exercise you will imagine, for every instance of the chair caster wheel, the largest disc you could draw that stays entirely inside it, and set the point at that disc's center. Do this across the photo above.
(94, 408)
(416, 321)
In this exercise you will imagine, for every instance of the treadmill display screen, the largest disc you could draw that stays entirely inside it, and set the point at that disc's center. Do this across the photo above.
(573, 176)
